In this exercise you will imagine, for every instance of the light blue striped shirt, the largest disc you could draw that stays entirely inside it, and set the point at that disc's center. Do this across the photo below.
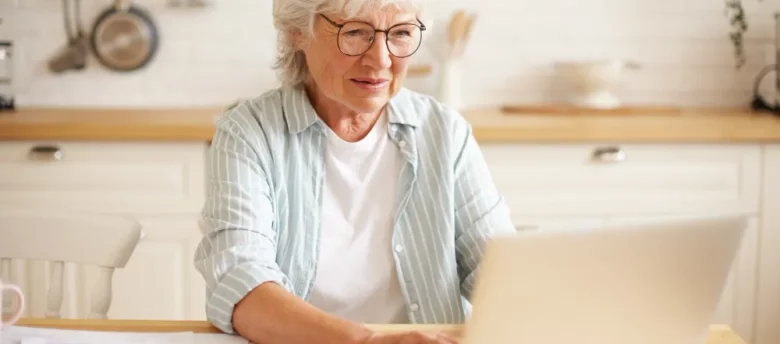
(261, 218)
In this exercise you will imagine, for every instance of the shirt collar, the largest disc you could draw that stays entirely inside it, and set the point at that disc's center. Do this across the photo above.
(401, 109)
(300, 114)
(298, 111)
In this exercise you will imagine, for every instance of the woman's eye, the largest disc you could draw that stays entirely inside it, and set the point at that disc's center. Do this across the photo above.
(356, 33)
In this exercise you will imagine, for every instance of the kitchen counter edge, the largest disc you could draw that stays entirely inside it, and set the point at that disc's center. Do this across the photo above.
(488, 125)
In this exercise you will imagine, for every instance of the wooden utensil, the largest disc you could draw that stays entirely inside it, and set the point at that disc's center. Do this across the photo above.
(466, 34)
(457, 30)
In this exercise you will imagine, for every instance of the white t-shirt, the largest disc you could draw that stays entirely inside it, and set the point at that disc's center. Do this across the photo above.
(356, 274)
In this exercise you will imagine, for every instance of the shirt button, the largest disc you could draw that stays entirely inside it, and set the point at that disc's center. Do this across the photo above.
(399, 248)
(414, 307)
(402, 143)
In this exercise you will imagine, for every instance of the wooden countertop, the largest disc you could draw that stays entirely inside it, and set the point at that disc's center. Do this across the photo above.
(108, 124)
(691, 125)
(490, 125)
(718, 334)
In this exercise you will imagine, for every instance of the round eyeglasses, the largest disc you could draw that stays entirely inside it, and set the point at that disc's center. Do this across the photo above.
(356, 37)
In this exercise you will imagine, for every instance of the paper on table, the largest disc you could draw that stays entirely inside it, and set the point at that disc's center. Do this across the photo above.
(32, 335)
(218, 338)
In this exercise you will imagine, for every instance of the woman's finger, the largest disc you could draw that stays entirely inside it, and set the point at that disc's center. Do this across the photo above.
(445, 338)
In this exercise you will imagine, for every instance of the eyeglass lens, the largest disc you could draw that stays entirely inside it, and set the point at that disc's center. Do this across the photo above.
(355, 38)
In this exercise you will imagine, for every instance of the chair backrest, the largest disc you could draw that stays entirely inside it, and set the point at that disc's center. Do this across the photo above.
(100, 240)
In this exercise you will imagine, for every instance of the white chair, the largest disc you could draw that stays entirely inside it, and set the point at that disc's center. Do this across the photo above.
(81, 238)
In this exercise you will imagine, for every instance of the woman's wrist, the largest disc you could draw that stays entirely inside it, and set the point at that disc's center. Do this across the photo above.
(362, 334)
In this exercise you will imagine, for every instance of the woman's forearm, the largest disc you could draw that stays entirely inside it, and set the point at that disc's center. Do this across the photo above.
(269, 314)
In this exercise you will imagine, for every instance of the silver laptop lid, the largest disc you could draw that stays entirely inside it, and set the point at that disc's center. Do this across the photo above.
(643, 283)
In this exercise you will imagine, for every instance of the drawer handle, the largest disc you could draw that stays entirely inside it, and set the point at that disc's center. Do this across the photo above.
(609, 154)
(49, 153)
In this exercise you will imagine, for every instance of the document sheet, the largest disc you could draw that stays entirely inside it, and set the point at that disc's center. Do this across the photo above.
(33, 335)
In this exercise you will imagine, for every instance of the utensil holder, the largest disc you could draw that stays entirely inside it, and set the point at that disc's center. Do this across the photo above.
(450, 83)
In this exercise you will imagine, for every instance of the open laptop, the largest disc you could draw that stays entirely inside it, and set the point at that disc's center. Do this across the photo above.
(657, 282)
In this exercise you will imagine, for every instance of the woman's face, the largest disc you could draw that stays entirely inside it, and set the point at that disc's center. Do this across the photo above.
(362, 83)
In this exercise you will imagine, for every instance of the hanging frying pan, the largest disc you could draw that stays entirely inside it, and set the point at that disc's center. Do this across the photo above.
(124, 37)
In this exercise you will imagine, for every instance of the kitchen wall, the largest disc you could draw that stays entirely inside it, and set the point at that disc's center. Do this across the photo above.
(214, 55)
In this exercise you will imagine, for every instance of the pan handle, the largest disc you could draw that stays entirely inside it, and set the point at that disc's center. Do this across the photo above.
(122, 5)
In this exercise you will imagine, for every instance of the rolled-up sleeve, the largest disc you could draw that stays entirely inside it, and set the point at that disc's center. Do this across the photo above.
(238, 250)
(480, 211)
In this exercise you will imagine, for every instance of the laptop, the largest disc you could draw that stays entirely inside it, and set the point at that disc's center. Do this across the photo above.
(656, 282)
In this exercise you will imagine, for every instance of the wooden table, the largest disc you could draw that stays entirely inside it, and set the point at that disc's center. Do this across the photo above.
(719, 334)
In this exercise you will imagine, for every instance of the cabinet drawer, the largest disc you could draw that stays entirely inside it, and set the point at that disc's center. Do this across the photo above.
(116, 177)
(636, 179)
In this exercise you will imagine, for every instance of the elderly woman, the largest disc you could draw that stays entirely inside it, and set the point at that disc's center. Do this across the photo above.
(342, 198)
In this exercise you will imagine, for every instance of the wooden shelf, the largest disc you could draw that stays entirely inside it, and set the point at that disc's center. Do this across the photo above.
(420, 70)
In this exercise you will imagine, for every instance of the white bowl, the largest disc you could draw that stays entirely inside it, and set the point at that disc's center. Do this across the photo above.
(592, 83)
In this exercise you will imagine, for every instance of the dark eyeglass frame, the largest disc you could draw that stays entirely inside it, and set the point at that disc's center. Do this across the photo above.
(422, 28)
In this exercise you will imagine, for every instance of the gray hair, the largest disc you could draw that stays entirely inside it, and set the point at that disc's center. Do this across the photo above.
(292, 16)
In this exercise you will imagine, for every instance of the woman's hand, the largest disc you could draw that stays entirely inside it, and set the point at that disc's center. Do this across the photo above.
(414, 337)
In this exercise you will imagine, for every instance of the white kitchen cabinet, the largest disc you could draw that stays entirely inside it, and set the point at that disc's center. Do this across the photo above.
(549, 186)
(625, 180)
(589, 185)
(112, 177)
(768, 300)
(159, 183)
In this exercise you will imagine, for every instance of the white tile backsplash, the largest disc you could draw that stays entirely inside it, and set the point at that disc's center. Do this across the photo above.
(214, 55)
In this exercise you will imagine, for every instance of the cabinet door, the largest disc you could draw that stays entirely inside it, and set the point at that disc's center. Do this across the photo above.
(111, 177)
(768, 303)
(737, 304)
(632, 179)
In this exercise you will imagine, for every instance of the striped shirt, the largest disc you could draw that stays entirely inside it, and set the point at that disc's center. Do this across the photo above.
(261, 218)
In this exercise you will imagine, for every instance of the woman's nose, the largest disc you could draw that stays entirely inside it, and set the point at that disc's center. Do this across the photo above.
(378, 56)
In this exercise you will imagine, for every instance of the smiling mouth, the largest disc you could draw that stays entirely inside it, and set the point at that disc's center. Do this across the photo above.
(370, 82)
